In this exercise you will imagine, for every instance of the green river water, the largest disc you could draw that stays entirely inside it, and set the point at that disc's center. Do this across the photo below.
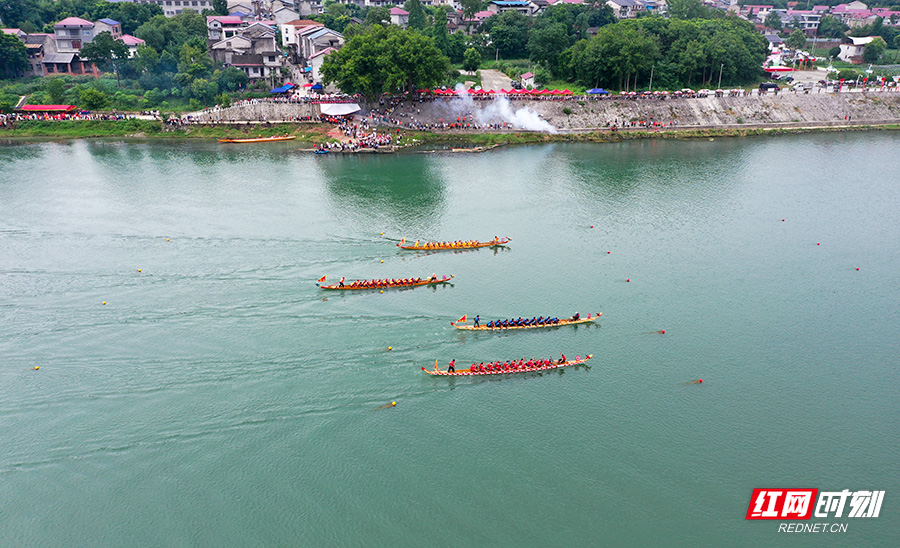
(219, 398)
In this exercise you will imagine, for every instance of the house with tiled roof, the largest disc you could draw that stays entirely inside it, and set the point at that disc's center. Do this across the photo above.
(399, 17)
(171, 8)
(314, 40)
(108, 25)
(625, 9)
(522, 6)
(315, 63)
(853, 48)
(219, 27)
(252, 48)
(18, 33)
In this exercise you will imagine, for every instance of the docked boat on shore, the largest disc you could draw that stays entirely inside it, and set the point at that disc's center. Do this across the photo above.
(260, 139)
(495, 326)
(507, 368)
(391, 283)
(451, 246)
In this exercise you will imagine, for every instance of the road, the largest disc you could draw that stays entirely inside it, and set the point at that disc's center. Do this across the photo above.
(494, 79)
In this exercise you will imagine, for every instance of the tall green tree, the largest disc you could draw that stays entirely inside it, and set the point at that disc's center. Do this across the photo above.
(773, 20)
(874, 50)
(470, 8)
(56, 89)
(13, 56)
(471, 60)
(106, 52)
(220, 7)
(796, 40)
(92, 99)
(416, 14)
(378, 16)
(832, 27)
(688, 9)
(509, 33)
(545, 44)
(385, 59)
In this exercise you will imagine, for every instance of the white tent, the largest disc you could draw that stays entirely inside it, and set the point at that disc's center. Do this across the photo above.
(339, 109)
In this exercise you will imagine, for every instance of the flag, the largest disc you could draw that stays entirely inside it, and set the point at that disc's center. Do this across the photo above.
(463, 319)
(402, 241)
(322, 279)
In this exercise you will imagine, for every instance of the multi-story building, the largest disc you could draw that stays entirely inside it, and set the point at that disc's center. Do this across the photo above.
(172, 8)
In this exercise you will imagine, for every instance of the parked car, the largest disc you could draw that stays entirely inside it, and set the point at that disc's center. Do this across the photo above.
(769, 86)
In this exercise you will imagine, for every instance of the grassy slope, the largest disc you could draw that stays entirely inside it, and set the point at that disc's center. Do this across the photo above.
(316, 133)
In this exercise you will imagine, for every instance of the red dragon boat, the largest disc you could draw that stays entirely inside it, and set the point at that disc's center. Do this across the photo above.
(385, 284)
(543, 365)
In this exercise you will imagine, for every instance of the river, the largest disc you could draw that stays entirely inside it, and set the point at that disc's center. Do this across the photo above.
(195, 388)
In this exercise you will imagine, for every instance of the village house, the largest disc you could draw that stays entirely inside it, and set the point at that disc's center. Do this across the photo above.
(625, 9)
(399, 17)
(315, 64)
(527, 80)
(853, 48)
(805, 20)
(313, 40)
(251, 48)
(522, 6)
(220, 27)
(171, 8)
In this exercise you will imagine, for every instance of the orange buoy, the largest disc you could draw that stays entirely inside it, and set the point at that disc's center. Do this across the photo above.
(857, 268)
(818, 244)
(699, 380)
(663, 331)
(592, 226)
(628, 280)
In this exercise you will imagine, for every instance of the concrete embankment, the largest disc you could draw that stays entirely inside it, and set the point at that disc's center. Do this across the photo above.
(260, 111)
(789, 109)
(816, 109)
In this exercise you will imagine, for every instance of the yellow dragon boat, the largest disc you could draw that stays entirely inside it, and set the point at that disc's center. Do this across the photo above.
(451, 246)
(260, 139)
(559, 323)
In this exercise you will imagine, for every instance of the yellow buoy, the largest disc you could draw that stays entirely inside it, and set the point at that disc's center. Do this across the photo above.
(390, 348)
(168, 240)
(36, 367)
(139, 270)
(104, 302)
(382, 260)
(393, 403)
(382, 291)
(382, 233)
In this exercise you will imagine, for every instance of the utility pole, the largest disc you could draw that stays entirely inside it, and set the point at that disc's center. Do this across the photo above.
(722, 66)
(651, 77)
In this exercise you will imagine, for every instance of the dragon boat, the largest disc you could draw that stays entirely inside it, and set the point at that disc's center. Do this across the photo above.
(451, 246)
(567, 321)
(543, 367)
(260, 139)
(383, 284)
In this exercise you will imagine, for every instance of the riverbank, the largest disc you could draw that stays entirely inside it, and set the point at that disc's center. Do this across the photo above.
(312, 133)
(152, 129)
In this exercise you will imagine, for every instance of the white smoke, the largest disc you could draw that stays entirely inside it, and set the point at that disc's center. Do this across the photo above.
(500, 110)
